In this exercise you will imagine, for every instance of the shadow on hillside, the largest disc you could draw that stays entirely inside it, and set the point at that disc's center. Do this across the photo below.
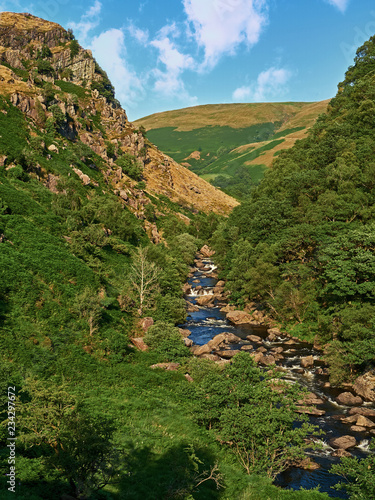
(173, 475)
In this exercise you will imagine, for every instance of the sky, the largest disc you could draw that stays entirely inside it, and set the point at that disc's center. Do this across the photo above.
(164, 55)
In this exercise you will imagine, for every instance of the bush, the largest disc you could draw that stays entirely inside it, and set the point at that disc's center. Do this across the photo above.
(130, 166)
(166, 339)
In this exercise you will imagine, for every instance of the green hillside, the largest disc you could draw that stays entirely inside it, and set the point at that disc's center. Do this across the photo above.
(228, 144)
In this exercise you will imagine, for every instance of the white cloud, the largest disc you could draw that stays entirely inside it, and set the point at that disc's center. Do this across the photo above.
(88, 22)
(220, 26)
(269, 84)
(110, 52)
(169, 82)
(340, 4)
(138, 34)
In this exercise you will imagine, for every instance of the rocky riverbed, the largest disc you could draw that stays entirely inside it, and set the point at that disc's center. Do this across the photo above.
(217, 331)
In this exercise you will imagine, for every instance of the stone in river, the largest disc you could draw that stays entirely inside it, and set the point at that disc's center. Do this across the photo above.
(261, 349)
(357, 428)
(365, 386)
(311, 399)
(367, 412)
(184, 332)
(188, 342)
(343, 442)
(348, 399)
(307, 362)
(240, 318)
(254, 338)
(247, 347)
(277, 350)
(365, 422)
(191, 307)
(204, 300)
(341, 453)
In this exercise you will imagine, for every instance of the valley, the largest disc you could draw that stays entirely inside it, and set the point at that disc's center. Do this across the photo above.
(161, 338)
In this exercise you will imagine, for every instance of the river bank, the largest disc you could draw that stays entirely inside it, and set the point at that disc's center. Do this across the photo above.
(218, 332)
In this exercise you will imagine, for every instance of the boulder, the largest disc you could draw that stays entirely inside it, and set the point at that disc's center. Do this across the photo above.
(277, 350)
(228, 308)
(348, 399)
(228, 354)
(231, 338)
(191, 307)
(139, 343)
(254, 338)
(206, 251)
(247, 347)
(365, 422)
(274, 332)
(211, 357)
(204, 300)
(357, 428)
(53, 148)
(261, 349)
(365, 386)
(198, 350)
(221, 283)
(184, 332)
(311, 399)
(188, 377)
(343, 442)
(341, 453)
(217, 341)
(367, 412)
(188, 342)
(307, 362)
(240, 318)
(145, 323)
(186, 288)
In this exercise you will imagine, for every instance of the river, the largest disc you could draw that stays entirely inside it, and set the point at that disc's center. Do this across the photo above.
(207, 322)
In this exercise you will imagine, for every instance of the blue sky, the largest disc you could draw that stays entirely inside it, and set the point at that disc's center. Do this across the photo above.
(163, 55)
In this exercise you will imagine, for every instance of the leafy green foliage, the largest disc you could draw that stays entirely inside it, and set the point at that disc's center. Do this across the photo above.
(252, 413)
(303, 244)
(359, 477)
(130, 166)
(166, 340)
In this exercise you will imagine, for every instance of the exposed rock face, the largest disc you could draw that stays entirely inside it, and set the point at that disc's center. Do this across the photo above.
(365, 386)
(21, 37)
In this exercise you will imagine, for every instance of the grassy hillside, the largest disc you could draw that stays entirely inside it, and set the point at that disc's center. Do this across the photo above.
(229, 143)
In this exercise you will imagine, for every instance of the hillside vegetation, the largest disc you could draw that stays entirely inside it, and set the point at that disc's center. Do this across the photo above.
(97, 231)
(303, 245)
(231, 145)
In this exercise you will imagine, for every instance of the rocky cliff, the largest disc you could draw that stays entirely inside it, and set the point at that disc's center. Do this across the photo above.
(55, 82)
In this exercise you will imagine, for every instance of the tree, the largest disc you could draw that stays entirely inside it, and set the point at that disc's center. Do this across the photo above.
(253, 413)
(69, 440)
(359, 476)
(144, 277)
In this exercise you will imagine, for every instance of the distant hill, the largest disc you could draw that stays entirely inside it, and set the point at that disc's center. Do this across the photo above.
(230, 145)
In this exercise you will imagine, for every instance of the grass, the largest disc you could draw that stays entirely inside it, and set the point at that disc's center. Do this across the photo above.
(71, 88)
(230, 136)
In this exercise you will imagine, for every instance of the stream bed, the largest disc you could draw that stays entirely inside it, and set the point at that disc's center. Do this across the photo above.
(209, 321)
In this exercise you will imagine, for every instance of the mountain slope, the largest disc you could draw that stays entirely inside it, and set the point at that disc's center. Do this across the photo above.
(47, 75)
(222, 142)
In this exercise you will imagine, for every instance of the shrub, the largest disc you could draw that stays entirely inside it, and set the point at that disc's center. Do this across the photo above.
(166, 339)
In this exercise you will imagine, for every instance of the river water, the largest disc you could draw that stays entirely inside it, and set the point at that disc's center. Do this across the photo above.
(210, 321)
